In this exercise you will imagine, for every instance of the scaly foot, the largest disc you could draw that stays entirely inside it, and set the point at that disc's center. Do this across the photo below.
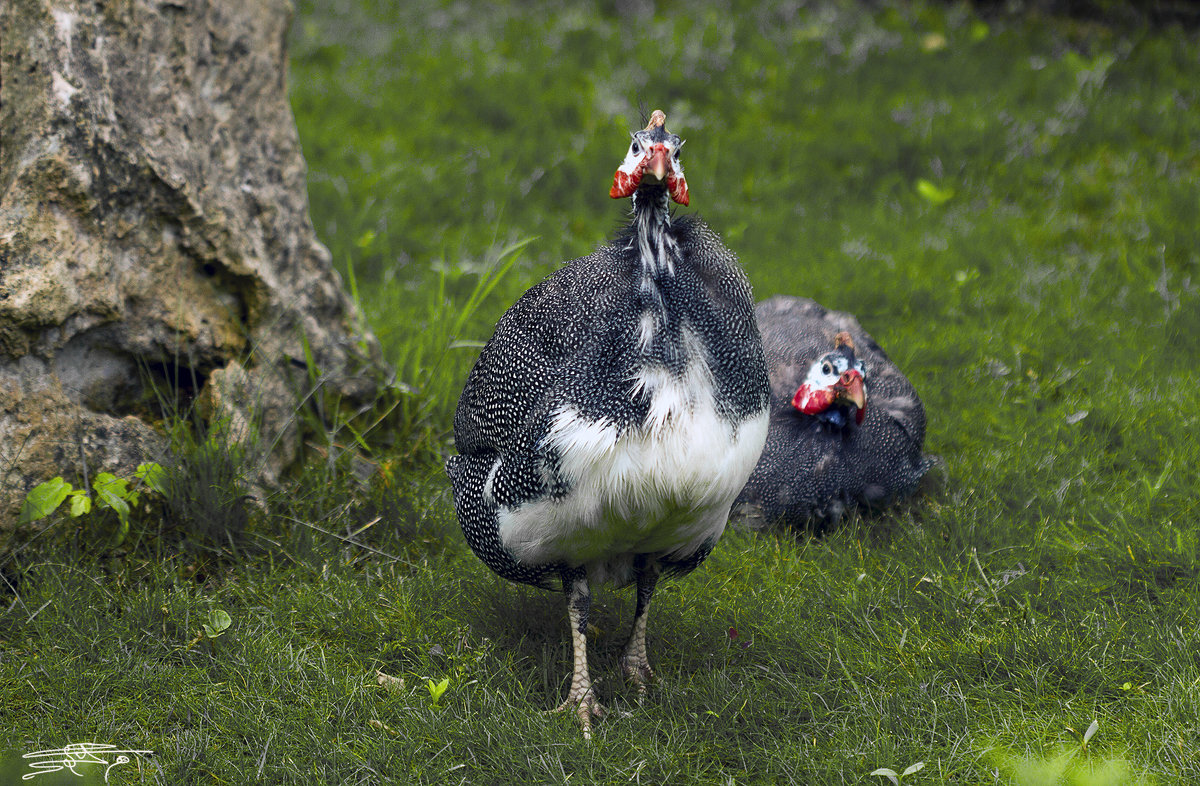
(634, 662)
(637, 670)
(581, 696)
(586, 706)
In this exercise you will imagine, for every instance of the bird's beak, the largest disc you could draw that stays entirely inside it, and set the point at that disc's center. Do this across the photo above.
(656, 162)
(849, 389)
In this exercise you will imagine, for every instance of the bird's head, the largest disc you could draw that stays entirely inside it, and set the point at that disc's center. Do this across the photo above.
(653, 159)
(835, 386)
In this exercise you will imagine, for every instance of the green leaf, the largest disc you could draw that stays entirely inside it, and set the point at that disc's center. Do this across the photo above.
(81, 504)
(933, 194)
(153, 476)
(436, 689)
(43, 499)
(910, 769)
(1091, 731)
(113, 493)
(218, 622)
(890, 774)
(109, 499)
(111, 483)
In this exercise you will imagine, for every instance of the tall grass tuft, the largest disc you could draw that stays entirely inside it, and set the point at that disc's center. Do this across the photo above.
(207, 483)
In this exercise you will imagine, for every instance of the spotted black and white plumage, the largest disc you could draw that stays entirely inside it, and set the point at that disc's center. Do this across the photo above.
(815, 467)
(618, 409)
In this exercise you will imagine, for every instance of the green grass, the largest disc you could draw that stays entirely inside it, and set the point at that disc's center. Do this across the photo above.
(1047, 311)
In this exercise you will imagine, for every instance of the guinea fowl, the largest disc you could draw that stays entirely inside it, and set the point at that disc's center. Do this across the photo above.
(846, 426)
(615, 413)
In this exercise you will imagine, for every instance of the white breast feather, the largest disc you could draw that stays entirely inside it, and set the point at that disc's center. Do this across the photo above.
(665, 487)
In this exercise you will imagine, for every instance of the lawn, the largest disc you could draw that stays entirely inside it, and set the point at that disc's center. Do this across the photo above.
(1010, 204)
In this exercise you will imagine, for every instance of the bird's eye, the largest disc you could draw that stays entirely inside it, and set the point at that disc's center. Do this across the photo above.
(826, 368)
(635, 148)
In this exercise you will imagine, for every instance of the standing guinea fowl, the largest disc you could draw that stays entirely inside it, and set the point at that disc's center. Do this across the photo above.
(616, 412)
(846, 426)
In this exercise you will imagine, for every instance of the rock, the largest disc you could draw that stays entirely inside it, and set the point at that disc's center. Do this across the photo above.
(154, 238)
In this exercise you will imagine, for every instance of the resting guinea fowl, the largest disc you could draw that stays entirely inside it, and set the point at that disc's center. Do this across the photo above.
(846, 426)
(616, 412)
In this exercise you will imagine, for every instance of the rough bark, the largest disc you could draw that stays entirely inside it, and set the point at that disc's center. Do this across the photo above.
(154, 234)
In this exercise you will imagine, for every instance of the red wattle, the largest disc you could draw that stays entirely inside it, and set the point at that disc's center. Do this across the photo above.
(623, 185)
(812, 402)
(679, 189)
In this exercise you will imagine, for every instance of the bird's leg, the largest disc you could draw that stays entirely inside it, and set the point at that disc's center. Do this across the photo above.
(634, 662)
(581, 695)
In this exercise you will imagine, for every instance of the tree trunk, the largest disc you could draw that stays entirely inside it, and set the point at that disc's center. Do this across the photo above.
(154, 236)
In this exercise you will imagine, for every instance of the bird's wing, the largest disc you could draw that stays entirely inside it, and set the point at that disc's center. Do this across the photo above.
(510, 390)
(724, 319)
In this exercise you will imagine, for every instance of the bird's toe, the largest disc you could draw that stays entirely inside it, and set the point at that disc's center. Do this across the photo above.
(637, 671)
(586, 707)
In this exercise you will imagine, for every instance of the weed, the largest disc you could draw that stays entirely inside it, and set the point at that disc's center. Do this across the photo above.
(437, 689)
(899, 777)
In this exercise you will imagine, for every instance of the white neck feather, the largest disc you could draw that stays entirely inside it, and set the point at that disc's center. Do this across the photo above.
(652, 219)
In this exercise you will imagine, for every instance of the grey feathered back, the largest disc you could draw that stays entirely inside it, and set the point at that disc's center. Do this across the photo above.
(808, 470)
